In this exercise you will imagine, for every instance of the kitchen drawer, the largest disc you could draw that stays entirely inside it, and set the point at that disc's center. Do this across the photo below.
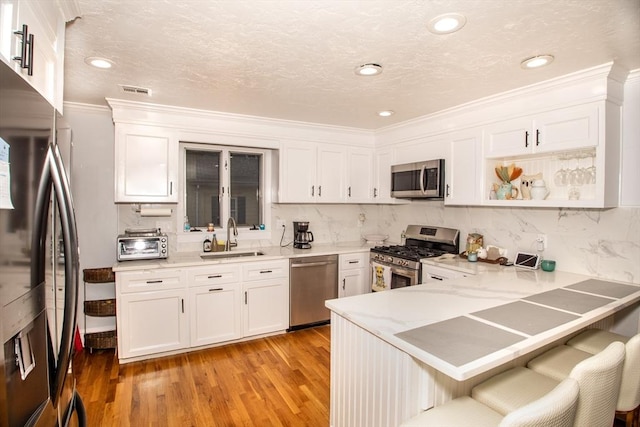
(355, 260)
(265, 270)
(150, 280)
(213, 275)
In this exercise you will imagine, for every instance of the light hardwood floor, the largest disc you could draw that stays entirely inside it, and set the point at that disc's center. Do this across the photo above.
(276, 381)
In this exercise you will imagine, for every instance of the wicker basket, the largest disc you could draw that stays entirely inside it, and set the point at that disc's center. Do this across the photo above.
(101, 340)
(99, 275)
(100, 307)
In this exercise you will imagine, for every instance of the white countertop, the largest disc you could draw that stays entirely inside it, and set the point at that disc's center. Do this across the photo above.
(191, 259)
(455, 262)
(404, 310)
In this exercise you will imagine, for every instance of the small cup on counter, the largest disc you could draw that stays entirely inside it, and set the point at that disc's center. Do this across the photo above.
(548, 265)
(472, 257)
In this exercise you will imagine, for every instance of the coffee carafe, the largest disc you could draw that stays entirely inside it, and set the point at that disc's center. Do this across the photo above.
(302, 236)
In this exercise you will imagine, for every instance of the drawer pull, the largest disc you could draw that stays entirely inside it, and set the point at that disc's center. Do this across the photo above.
(266, 271)
(150, 282)
(354, 262)
(215, 289)
(215, 276)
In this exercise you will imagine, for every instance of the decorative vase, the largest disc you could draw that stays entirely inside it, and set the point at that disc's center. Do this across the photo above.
(504, 191)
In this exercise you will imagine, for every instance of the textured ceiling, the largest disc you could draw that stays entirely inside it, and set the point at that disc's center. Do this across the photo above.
(294, 59)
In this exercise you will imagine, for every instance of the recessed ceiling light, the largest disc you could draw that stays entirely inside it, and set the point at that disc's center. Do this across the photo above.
(536, 61)
(447, 23)
(386, 113)
(97, 62)
(370, 69)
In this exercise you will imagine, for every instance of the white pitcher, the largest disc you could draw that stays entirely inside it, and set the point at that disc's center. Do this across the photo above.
(539, 190)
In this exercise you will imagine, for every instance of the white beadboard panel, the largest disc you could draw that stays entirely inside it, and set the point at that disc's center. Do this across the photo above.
(373, 383)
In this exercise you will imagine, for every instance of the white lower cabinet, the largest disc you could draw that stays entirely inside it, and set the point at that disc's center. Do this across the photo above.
(168, 310)
(151, 310)
(353, 274)
(266, 297)
(152, 322)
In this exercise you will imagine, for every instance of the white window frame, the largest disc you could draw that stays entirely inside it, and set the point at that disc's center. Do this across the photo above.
(244, 232)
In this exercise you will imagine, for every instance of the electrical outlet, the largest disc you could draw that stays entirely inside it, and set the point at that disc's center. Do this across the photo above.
(280, 224)
(541, 241)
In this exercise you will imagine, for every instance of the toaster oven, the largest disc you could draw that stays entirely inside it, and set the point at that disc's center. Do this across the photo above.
(142, 244)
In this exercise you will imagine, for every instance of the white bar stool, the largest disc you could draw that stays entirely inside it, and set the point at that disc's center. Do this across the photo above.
(598, 377)
(593, 341)
(555, 409)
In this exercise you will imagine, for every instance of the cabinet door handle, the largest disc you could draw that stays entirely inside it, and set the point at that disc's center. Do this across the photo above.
(349, 191)
(266, 271)
(23, 49)
(215, 276)
(170, 188)
(150, 282)
(448, 193)
(526, 138)
(30, 64)
(215, 290)
(537, 137)
(375, 192)
(245, 297)
(313, 192)
(182, 302)
(319, 190)
(344, 282)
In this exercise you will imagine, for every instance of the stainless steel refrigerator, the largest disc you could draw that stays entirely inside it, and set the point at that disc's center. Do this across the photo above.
(38, 262)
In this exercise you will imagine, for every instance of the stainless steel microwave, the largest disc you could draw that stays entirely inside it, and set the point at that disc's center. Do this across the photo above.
(419, 180)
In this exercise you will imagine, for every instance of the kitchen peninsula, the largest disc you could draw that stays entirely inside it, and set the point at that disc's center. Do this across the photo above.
(396, 353)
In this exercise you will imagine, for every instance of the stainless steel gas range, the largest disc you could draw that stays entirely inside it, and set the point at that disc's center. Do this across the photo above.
(399, 265)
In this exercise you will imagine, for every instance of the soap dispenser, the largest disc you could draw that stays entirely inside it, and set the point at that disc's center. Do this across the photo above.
(206, 245)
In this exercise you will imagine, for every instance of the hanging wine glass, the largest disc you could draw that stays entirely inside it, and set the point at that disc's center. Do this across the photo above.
(576, 176)
(561, 175)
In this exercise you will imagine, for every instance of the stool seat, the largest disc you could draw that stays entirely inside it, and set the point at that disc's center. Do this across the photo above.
(595, 340)
(457, 412)
(513, 389)
(558, 362)
(598, 377)
(555, 409)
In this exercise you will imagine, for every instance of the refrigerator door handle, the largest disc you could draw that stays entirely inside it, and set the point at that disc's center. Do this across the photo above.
(54, 177)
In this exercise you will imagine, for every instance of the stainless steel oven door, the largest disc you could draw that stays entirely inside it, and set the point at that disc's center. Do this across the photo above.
(402, 277)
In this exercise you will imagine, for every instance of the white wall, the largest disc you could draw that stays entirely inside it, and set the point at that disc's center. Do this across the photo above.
(92, 189)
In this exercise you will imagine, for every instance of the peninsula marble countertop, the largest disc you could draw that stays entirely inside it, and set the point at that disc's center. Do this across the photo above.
(463, 327)
(193, 259)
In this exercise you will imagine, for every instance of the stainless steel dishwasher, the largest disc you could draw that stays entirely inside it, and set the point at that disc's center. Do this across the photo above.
(313, 280)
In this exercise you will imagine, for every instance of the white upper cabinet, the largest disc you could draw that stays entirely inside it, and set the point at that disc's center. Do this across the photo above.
(557, 130)
(462, 171)
(331, 173)
(384, 158)
(146, 164)
(41, 50)
(360, 175)
(574, 150)
(312, 173)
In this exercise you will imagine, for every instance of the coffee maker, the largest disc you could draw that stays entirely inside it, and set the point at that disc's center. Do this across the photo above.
(302, 236)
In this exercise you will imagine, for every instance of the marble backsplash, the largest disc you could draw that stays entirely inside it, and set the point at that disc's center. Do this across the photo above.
(601, 243)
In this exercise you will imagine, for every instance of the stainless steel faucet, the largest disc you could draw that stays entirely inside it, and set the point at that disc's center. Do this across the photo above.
(228, 245)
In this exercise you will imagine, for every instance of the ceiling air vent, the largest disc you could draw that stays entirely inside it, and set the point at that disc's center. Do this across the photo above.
(135, 90)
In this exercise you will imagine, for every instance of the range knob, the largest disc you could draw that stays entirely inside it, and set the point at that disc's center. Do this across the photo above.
(390, 259)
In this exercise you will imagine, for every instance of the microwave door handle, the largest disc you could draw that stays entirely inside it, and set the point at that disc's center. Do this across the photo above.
(423, 170)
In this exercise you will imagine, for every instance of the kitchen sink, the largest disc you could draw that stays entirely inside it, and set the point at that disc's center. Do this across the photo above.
(230, 254)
